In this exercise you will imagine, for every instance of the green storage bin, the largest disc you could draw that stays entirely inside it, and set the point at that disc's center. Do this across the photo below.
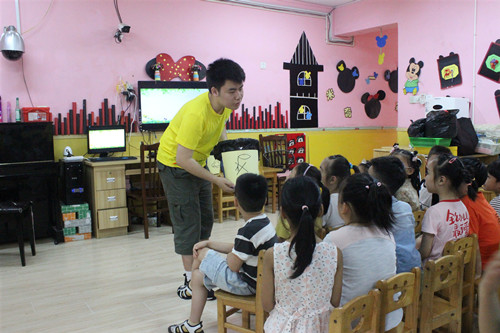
(429, 142)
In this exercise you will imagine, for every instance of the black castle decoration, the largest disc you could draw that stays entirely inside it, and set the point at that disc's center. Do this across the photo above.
(304, 70)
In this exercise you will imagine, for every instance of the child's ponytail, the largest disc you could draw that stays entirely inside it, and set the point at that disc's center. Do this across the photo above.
(477, 175)
(370, 200)
(414, 162)
(301, 205)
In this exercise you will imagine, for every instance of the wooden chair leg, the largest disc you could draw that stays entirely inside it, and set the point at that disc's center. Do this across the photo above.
(32, 232)
(222, 317)
(245, 319)
(145, 219)
(20, 237)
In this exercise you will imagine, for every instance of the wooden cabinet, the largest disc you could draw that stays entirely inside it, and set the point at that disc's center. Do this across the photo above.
(107, 197)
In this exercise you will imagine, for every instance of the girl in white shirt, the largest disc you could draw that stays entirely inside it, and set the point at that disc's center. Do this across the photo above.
(448, 219)
(334, 169)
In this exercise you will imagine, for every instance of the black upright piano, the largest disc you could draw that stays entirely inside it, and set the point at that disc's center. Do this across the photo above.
(28, 173)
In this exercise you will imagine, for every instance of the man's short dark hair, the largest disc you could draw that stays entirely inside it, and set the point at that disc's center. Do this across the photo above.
(390, 171)
(221, 70)
(251, 192)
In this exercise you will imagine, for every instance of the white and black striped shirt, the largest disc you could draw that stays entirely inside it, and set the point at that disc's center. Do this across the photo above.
(257, 234)
(495, 203)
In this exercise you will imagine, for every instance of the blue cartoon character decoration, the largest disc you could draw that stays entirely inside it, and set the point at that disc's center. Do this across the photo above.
(412, 75)
(372, 103)
(381, 41)
(347, 77)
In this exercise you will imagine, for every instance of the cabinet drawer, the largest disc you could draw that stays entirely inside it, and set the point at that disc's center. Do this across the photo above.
(110, 178)
(112, 218)
(111, 199)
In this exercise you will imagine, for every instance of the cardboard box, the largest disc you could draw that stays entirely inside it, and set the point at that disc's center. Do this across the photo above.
(78, 223)
(68, 216)
(77, 237)
(84, 229)
(69, 231)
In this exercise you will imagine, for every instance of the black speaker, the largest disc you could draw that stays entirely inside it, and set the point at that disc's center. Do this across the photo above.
(72, 183)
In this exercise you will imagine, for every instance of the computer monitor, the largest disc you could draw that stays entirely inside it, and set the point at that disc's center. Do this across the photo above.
(103, 140)
(159, 101)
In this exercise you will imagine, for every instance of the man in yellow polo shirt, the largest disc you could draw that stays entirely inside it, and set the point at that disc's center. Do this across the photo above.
(184, 148)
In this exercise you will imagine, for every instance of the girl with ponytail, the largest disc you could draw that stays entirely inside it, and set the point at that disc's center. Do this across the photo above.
(408, 192)
(302, 280)
(334, 169)
(366, 241)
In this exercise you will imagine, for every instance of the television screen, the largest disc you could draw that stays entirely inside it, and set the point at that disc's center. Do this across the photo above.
(26, 142)
(106, 139)
(159, 101)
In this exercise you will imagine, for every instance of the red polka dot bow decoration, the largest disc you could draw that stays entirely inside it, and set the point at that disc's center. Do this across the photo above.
(172, 69)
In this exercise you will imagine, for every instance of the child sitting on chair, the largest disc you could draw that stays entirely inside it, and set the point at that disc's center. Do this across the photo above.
(310, 171)
(302, 279)
(237, 273)
(408, 192)
(493, 184)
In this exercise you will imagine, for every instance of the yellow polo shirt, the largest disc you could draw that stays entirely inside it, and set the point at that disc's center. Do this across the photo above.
(197, 127)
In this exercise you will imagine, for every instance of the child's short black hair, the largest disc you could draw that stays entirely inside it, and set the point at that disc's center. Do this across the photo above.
(221, 70)
(439, 150)
(390, 171)
(251, 192)
(494, 169)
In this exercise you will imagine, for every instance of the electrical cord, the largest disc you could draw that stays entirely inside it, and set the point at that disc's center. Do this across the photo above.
(40, 22)
(117, 10)
(24, 78)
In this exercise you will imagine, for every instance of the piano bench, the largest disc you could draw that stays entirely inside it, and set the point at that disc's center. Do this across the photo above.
(20, 209)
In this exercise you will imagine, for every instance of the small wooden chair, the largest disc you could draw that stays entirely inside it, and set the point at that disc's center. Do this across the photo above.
(408, 284)
(444, 273)
(468, 246)
(362, 312)
(247, 304)
(419, 217)
(224, 203)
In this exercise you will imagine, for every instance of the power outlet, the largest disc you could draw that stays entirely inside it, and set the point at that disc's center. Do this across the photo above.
(263, 65)
(414, 99)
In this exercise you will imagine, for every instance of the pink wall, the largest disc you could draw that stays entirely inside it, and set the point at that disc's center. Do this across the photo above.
(72, 54)
(427, 29)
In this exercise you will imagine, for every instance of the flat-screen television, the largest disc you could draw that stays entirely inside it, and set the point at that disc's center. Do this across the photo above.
(103, 140)
(159, 101)
(26, 142)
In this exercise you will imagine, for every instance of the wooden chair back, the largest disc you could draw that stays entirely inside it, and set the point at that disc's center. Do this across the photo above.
(151, 193)
(443, 273)
(224, 203)
(419, 217)
(467, 246)
(247, 304)
(408, 287)
(361, 314)
(423, 164)
(274, 151)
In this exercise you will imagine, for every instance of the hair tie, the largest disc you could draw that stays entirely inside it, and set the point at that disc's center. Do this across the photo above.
(350, 165)
(452, 160)
(395, 147)
(367, 187)
(307, 169)
(304, 208)
(379, 184)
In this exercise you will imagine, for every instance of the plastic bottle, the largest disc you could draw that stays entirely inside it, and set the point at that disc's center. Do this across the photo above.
(18, 111)
(8, 112)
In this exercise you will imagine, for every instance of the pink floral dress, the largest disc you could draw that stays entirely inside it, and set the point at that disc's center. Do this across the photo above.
(303, 303)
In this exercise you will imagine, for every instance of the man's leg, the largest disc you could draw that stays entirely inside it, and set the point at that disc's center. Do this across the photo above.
(199, 291)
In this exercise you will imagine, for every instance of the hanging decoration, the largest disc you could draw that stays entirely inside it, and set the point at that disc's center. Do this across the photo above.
(347, 77)
(412, 76)
(490, 68)
(296, 144)
(304, 70)
(371, 77)
(450, 74)
(381, 41)
(187, 70)
(372, 103)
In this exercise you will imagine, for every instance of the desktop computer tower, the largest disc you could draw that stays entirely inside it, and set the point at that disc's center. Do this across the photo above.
(72, 185)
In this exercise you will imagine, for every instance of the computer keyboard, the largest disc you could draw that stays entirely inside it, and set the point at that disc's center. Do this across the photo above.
(111, 158)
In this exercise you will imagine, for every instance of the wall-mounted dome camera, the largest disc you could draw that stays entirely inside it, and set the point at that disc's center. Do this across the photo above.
(11, 43)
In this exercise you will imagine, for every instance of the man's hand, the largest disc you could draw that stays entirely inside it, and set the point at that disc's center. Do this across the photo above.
(198, 246)
(225, 184)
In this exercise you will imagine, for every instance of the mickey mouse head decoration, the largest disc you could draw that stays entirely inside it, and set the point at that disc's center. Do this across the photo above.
(412, 75)
(347, 77)
(392, 79)
(372, 103)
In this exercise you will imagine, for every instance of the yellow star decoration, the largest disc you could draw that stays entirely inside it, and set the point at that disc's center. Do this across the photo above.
(329, 94)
